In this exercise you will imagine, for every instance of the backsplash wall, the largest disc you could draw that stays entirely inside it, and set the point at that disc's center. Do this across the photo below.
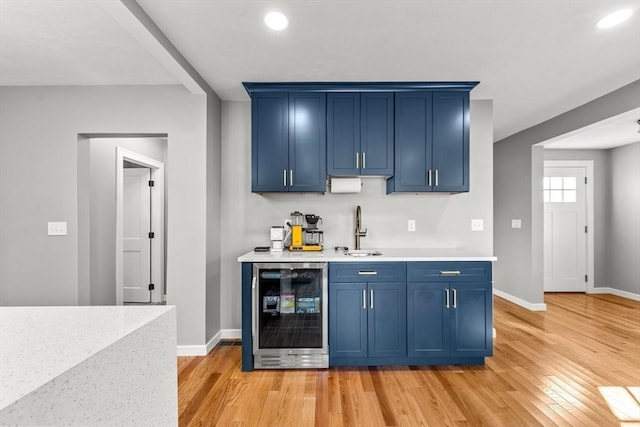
(442, 220)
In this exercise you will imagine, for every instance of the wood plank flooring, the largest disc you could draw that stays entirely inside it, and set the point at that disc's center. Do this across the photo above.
(549, 368)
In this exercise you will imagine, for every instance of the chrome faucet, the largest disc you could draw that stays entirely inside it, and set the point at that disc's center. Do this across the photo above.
(359, 233)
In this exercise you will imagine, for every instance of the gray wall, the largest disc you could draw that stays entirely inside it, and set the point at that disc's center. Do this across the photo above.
(624, 227)
(213, 216)
(519, 269)
(441, 220)
(39, 128)
(601, 211)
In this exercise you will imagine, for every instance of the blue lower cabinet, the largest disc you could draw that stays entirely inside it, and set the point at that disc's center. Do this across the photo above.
(348, 321)
(449, 320)
(367, 313)
(367, 323)
(471, 323)
(414, 313)
(427, 320)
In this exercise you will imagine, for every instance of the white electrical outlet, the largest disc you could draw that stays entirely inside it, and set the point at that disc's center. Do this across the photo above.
(57, 228)
(477, 225)
(411, 225)
(516, 223)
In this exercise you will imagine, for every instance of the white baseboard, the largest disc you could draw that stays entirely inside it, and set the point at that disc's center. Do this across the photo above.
(520, 302)
(234, 334)
(613, 291)
(203, 350)
(199, 350)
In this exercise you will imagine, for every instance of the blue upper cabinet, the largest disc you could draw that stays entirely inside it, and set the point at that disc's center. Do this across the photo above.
(307, 142)
(416, 133)
(360, 133)
(431, 142)
(343, 134)
(413, 142)
(288, 142)
(270, 142)
(450, 141)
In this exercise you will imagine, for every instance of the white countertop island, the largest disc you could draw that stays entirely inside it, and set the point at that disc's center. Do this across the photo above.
(88, 366)
(330, 255)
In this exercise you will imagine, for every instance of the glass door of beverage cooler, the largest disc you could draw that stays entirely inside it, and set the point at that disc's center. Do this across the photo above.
(290, 315)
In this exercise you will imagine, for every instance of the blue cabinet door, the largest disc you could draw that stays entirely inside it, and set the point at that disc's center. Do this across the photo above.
(451, 141)
(413, 142)
(376, 133)
(387, 320)
(360, 133)
(348, 320)
(269, 142)
(343, 134)
(471, 323)
(307, 141)
(427, 320)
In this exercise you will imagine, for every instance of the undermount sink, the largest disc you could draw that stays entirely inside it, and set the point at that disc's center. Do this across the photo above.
(363, 252)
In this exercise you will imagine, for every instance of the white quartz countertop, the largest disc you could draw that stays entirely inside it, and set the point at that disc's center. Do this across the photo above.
(330, 255)
(37, 344)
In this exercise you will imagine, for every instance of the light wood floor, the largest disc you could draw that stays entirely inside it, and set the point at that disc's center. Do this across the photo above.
(549, 368)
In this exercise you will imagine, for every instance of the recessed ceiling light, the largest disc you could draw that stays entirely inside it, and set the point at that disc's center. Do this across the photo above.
(614, 18)
(276, 21)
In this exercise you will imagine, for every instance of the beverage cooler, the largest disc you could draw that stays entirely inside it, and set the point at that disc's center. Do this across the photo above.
(289, 315)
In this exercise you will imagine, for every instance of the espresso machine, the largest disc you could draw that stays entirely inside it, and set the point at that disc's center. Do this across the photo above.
(305, 238)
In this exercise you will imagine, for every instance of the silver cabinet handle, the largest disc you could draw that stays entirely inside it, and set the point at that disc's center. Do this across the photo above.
(455, 298)
(284, 177)
(364, 299)
(364, 160)
(446, 291)
(450, 273)
(291, 177)
(371, 299)
(368, 273)
(357, 160)
(436, 177)
(429, 177)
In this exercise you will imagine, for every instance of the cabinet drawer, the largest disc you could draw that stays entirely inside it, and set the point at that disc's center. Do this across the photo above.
(467, 271)
(370, 272)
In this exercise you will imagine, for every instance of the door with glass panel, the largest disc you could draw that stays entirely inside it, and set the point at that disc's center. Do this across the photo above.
(565, 229)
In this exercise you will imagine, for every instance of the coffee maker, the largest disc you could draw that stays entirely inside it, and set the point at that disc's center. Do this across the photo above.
(307, 238)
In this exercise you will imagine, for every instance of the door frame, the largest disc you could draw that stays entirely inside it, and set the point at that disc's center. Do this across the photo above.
(588, 165)
(157, 222)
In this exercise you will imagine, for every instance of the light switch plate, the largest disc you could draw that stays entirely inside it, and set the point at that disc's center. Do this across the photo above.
(57, 228)
(411, 225)
(516, 223)
(477, 225)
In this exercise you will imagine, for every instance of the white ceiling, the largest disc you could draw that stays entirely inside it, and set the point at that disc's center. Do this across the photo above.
(616, 131)
(534, 58)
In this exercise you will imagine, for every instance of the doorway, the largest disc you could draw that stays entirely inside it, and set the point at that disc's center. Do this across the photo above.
(139, 229)
(568, 226)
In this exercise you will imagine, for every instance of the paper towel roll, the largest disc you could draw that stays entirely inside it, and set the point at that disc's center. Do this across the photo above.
(346, 185)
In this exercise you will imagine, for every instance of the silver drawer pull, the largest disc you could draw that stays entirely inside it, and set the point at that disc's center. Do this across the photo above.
(450, 273)
(367, 273)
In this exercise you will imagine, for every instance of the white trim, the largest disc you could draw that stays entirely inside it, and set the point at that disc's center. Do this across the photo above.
(157, 175)
(588, 165)
(192, 350)
(618, 292)
(200, 350)
(231, 333)
(520, 302)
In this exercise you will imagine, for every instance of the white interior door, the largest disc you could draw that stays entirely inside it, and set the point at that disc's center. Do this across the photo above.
(136, 245)
(565, 232)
